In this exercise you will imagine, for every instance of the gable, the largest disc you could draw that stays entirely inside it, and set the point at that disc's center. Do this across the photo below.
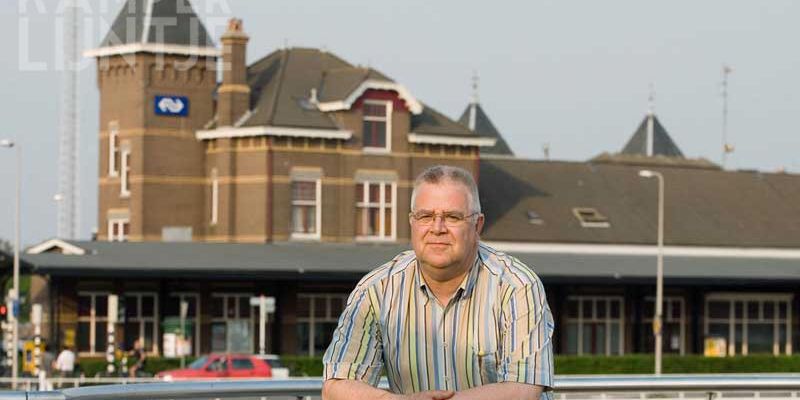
(381, 95)
(56, 246)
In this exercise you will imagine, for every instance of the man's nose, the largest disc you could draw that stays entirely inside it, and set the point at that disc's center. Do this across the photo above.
(438, 224)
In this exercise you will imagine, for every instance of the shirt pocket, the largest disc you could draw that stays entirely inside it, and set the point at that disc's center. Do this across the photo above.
(487, 366)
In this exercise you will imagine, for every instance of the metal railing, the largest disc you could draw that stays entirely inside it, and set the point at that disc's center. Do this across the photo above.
(734, 386)
(31, 384)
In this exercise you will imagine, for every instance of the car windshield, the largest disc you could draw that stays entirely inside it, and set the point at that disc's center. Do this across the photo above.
(199, 363)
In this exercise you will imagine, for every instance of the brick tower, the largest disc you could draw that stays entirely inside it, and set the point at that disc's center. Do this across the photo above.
(156, 75)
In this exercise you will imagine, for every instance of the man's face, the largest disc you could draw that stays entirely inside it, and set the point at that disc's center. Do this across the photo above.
(441, 244)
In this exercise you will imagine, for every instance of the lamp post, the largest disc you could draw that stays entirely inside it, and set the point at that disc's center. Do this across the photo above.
(658, 320)
(14, 295)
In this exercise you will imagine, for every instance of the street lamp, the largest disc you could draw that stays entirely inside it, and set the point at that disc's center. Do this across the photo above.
(658, 320)
(14, 295)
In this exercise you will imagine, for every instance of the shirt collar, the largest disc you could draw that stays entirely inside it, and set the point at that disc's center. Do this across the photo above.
(467, 285)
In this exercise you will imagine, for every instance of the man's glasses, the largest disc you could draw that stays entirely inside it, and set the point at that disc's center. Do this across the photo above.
(450, 218)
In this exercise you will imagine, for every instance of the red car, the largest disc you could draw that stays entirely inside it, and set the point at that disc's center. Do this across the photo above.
(221, 366)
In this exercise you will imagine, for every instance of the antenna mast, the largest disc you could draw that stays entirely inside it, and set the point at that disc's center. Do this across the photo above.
(68, 145)
(475, 81)
(650, 129)
(727, 148)
(473, 103)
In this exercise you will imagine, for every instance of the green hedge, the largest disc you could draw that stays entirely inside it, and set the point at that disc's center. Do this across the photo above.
(565, 365)
(302, 365)
(689, 364)
(94, 366)
(628, 364)
(298, 365)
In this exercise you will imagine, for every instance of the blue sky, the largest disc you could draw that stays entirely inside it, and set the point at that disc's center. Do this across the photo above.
(573, 74)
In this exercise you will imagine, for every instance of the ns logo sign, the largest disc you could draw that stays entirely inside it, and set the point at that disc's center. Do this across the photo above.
(175, 106)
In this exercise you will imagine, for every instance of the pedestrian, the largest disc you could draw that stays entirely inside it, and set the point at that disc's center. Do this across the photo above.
(139, 356)
(48, 360)
(452, 318)
(64, 365)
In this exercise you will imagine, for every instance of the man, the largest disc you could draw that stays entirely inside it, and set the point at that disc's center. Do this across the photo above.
(452, 319)
(64, 365)
(48, 360)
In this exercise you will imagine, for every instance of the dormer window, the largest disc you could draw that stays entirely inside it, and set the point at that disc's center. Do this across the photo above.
(590, 217)
(377, 128)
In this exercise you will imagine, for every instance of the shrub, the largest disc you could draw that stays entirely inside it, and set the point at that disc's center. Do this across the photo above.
(565, 365)
(302, 365)
(674, 364)
(94, 366)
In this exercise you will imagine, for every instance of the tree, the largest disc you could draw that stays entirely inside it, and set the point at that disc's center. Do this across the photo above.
(6, 246)
(5, 262)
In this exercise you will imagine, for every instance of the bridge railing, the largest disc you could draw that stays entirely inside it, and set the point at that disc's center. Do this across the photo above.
(714, 387)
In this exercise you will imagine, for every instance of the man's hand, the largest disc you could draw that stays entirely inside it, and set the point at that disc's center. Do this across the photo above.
(428, 395)
(341, 389)
(504, 390)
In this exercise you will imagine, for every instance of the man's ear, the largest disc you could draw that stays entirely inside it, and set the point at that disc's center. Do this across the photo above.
(479, 223)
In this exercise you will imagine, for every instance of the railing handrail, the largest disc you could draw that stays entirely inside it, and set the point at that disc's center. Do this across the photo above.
(678, 382)
(313, 387)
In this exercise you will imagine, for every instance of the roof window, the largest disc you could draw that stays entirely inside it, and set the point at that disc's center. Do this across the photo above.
(534, 218)
(590, 218)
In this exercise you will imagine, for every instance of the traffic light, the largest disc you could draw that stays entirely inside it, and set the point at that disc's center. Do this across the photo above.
(3, 310)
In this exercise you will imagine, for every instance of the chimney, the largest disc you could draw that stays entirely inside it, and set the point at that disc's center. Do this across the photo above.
(234, 93)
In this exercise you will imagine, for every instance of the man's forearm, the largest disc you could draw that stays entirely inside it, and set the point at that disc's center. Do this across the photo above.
(346, 389)
(504, 390)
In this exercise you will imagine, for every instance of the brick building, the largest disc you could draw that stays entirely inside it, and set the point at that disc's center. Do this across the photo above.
(298, 126)
(291, 178)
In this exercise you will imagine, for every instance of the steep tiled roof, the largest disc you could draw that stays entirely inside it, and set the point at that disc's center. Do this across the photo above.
(281, 92)
(663, 145)
(654, 161)
(281, 86)
(703, 207)
(432, 122)
(483, 126)
(338, 83)
(172, 22)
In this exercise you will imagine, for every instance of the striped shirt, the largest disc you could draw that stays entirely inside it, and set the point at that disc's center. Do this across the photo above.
(496, 328)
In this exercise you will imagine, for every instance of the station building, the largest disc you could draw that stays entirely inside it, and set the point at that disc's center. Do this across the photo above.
(291, 178)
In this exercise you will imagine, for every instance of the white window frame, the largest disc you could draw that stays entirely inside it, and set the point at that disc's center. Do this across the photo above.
(93, 319)
(180, 296)
(125, 160)
(608, 320)
(388, 119)
(113, 148)
(312, 319)
(669, 302)
(142, 320)
(732, 320)
(603, 221)
(214, 197)
(120, 224)
(363, 204)
(317, 203)
(225, 319)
